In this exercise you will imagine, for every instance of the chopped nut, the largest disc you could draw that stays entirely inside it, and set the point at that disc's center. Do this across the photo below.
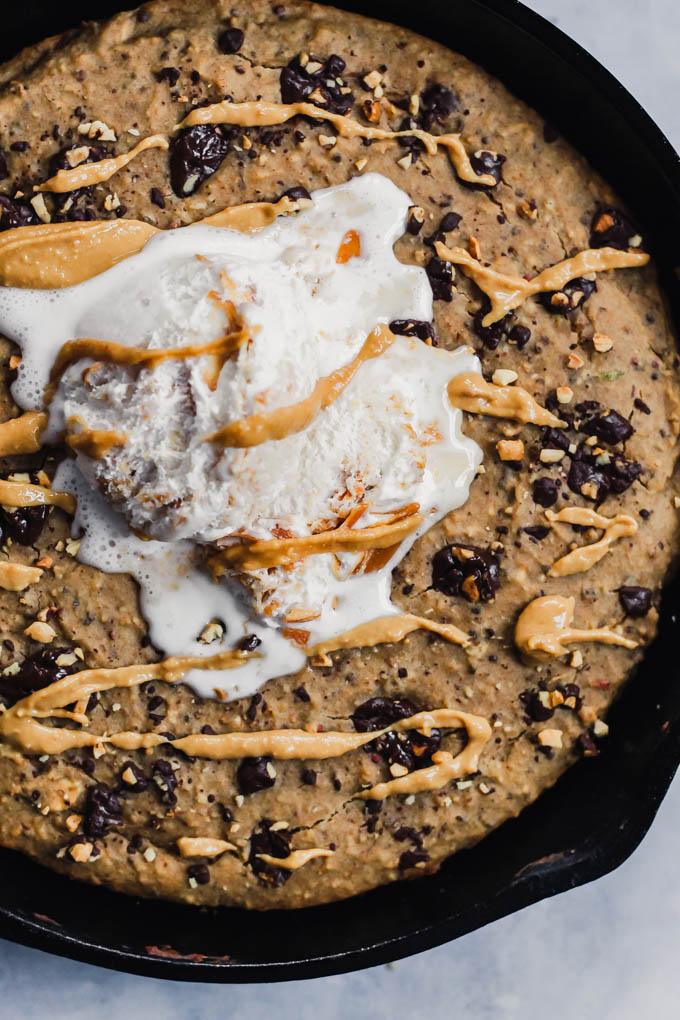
(111, 202)
(504, 377)
(73, 546)
(551, 456)
(14, 362)
(81, 852)
(213, 631)
(313, 66)
(398, 770)
(74, 157)
(564, 394)
(41, 210)
(371, 110)
(149, 855)
(372, 80)
(97, 129)
(73, 821)
(602, 342)
(278, 826)
(66, 659)
(550, 738)
(360, 164)
(527, 210)
(129, 777)
(600, 728)
(483, 788)
(271, 771)
(327, 141)
(405, 161)
(510, 449)
(414, 104)
(45, 562)
(575, 361)
(589, 490)
(576, 659)
(41, 632)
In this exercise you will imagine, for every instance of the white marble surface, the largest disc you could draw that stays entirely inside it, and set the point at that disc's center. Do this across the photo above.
(609, 950)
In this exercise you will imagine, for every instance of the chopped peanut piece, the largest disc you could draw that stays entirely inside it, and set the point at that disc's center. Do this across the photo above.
(550, 738)
(510, 449)
(41, 632)
(602, 343)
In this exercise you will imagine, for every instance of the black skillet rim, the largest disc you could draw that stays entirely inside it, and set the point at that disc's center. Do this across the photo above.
(602, 808)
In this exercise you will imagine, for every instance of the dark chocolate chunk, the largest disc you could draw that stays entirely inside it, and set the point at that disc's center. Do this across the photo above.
(102, 810)
(555, 439)
(414, 224)
(641, 406)
(319, 87)
(544, 492)
(200, 873)
(250, 642)
(35, 672)
(492, 335)
(157, 708)
(410, 858)
(23, 525)
(301, 693)
(537, 531)
(141, 781)
(169, 74)
(635, 600)
(253, 775)
(440, 275)
(158, 198)
(296, 193)
(466, 570)
(309, 777)
(413, 327)
(195, 155)
(571, 297)
(485, 162)
(273, 844)
(610, 427)
(611, 228)
(165, 779)
(520, 335)
(377, 713)
(14, 213)
(437, 103)
(231, 40)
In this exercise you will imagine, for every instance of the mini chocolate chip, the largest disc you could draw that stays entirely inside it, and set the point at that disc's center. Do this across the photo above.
(158, 198)
(301, 693)
(544, 492)
(611, 228)
(635, 600)
(195, 155)
(491, 335)
(413, 327)
(102, 810)
(610, 428)
(253, 775)
(250, 642)
(19, 146)
(466, 570)
(231, 40)
(199, 872)
(309, 777)
(405, 832)
(440, 275)
(450, 221)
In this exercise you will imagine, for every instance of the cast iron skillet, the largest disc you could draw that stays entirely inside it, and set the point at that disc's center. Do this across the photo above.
(601, 809)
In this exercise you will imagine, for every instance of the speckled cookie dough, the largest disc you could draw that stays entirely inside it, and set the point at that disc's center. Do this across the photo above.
(270, 831)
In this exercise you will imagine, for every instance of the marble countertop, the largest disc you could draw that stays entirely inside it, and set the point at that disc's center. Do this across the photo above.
(607, 950)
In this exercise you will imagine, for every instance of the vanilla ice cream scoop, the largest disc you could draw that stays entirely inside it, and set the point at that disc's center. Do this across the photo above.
(295, 305)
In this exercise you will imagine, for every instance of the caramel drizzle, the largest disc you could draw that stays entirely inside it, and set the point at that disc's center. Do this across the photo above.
(286, 421)
(277, 552)
(256, 114)
(471, 392)
(508, 292)
(54, 255)
(22, 434)
(544, 627)
(95, 443)
(135, 357)
(578, 560)
(296, 859)
(384, 630)
(18, 576)
(87, 174)
(23, 494)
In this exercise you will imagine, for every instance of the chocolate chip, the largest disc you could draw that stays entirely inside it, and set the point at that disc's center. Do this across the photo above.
(485, 162)
(157, 708)
(611, 228)
(23, 525)
(253, 775)
(199, 872)
(164, 777)
(571, 297)
(296, 193)
(19, 146)
(440, 275)
(635, 601)
(102, 810)
(544, 492)
(158, 198)
(15, 214)
(537, 531)
(378, 713)
(437, 103)
(301, 694)
(615, 476)
(405, 832)
(610, 428)
(141, 781)
(250, 642)
(641, 406)
(318, 87)
(309, 777)
(413, 327)
(492, 335)
(195, 155)
(520, 335)
(555, 439)
(169, 74)
(466, 570)
(230, 41)
(273, 844)
(450, 221)
(35, 672)
(410, 858)
(414, 224)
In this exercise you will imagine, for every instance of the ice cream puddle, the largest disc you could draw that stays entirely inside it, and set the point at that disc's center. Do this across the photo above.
(251, 441)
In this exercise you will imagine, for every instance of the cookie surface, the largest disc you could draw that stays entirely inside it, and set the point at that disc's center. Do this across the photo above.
(611, 348)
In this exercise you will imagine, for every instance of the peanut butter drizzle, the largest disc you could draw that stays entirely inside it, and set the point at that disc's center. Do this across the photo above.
(18, 576)
(296, 859)
(471, 392)
(384, 630)
(508, 292)
(286, 421)
(578, 560)
(86, 174)
(202, 846)
(544, 627)
(54, 255)
(22, 434)
(95, 443)
(134, 357)
(276, 552)
(20, 728)
(260, 114)
(23, 494)
(445, 768)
